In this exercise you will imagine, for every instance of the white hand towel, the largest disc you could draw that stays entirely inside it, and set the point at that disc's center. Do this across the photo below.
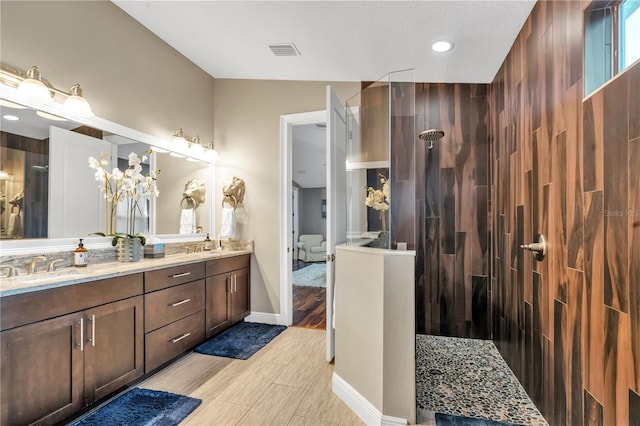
(188, 221)
(228, 228)
(15, 225)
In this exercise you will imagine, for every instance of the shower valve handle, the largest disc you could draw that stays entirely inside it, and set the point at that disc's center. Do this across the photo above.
(538, 248)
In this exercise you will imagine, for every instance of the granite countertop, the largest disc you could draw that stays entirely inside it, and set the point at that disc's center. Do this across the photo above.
(69, 276)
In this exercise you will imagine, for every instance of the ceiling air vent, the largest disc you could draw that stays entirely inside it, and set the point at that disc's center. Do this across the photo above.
(284, 49)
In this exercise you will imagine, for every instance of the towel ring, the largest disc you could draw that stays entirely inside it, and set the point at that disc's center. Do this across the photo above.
(231, 200)
(191, 203)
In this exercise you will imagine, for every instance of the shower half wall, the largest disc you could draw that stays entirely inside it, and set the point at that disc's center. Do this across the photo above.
(439, 198)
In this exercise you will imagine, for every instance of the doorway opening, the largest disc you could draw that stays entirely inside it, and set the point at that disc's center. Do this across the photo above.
(309, 224)
(303, 146)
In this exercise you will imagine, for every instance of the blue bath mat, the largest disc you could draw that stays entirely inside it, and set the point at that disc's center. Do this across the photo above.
(451, 420)
(140, 407)
(241, 341)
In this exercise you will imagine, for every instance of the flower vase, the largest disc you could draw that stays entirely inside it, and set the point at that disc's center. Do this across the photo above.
(129, 249)
(383, 238)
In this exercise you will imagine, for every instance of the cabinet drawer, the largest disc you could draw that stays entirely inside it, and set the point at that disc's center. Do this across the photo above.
(170, 341)
(227, 264)
(171, 304)
(168, 277)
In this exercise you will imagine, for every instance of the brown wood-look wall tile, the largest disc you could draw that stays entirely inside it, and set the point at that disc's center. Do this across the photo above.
(432, 181)
(528, 348)
(634, 408)
(574, 179)
(479, 308)
(559, 363)
(432, 269)
(448, 209)
(616, 196)
(557, 219)
(593, 142)
(593, 302)
(574, 41)
(537, 385)
(446, 295)
(593, 415)
(548, 405)
(527, 262)
(573, 358)
(480, 255)
(634, 253)
(462, 292)
(617, 366)
(633, 75)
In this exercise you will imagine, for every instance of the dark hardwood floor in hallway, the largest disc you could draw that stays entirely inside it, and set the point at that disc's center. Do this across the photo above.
(309, 303)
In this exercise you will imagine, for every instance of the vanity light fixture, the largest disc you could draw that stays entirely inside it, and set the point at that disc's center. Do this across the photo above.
(30, 85)
(77, 105)
(3, 175)
(194, 145)
(33, 87)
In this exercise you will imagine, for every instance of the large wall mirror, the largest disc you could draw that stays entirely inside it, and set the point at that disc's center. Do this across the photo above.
(48, 191)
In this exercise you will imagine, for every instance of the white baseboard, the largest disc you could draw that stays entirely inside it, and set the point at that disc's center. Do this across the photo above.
(393, 421)
(265, 318)
(361, 406)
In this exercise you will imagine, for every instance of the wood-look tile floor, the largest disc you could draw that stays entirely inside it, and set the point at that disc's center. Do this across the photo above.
(288, 382)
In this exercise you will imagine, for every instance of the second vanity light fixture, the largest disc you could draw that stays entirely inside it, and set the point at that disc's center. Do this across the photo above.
(30, 85)
(193, 144)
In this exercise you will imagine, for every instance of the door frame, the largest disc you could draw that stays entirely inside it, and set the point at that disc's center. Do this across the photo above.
(286, 223)
(295, 228)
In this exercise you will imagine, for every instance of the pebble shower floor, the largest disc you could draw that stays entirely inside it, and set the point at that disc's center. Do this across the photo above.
(468, 377)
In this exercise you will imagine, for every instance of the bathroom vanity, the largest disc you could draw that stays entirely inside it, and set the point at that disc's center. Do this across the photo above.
(69, 340)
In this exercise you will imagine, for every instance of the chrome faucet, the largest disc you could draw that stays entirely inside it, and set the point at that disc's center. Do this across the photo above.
(33, 266)
(9, 268)
(52, 265)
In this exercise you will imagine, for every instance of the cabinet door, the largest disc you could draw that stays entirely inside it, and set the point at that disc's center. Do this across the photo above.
(113, 347)
(240, 297)
(42, 371)
(217, 307)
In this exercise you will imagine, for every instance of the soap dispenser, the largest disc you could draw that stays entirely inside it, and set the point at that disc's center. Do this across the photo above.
(80, 255)
(208, 244)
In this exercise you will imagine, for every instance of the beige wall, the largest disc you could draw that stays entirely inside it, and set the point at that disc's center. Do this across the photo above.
(247, 138)
(128, 74)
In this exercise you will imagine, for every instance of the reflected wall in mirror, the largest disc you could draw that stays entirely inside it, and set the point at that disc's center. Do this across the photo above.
(44, 162)
(173, 208)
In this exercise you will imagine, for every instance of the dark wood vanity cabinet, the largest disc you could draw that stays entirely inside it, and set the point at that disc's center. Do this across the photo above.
(227, 292)
(51, 368)
(174, 312)
(62, 349)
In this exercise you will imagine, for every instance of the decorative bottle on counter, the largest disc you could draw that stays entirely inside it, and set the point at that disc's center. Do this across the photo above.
(80, 255)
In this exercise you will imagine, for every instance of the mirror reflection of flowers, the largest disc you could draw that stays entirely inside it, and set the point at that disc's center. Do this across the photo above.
(378, 199)
(129, 186)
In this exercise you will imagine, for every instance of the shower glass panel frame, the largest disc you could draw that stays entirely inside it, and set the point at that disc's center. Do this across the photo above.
(380, 119)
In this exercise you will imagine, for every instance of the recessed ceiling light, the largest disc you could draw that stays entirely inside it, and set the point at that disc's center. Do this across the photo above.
(442, 46)
(10, 117)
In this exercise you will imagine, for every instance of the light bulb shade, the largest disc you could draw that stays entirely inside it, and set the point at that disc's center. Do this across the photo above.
(33, 87)
(77, 105)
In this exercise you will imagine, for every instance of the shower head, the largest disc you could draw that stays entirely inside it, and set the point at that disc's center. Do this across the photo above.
(431, 136)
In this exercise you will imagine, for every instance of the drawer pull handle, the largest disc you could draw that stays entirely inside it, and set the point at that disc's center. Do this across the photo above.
(181, 302)
(184, 274)
(81, 324)
(177, 339)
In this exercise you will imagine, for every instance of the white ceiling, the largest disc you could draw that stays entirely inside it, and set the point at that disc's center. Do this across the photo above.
(338, 40)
